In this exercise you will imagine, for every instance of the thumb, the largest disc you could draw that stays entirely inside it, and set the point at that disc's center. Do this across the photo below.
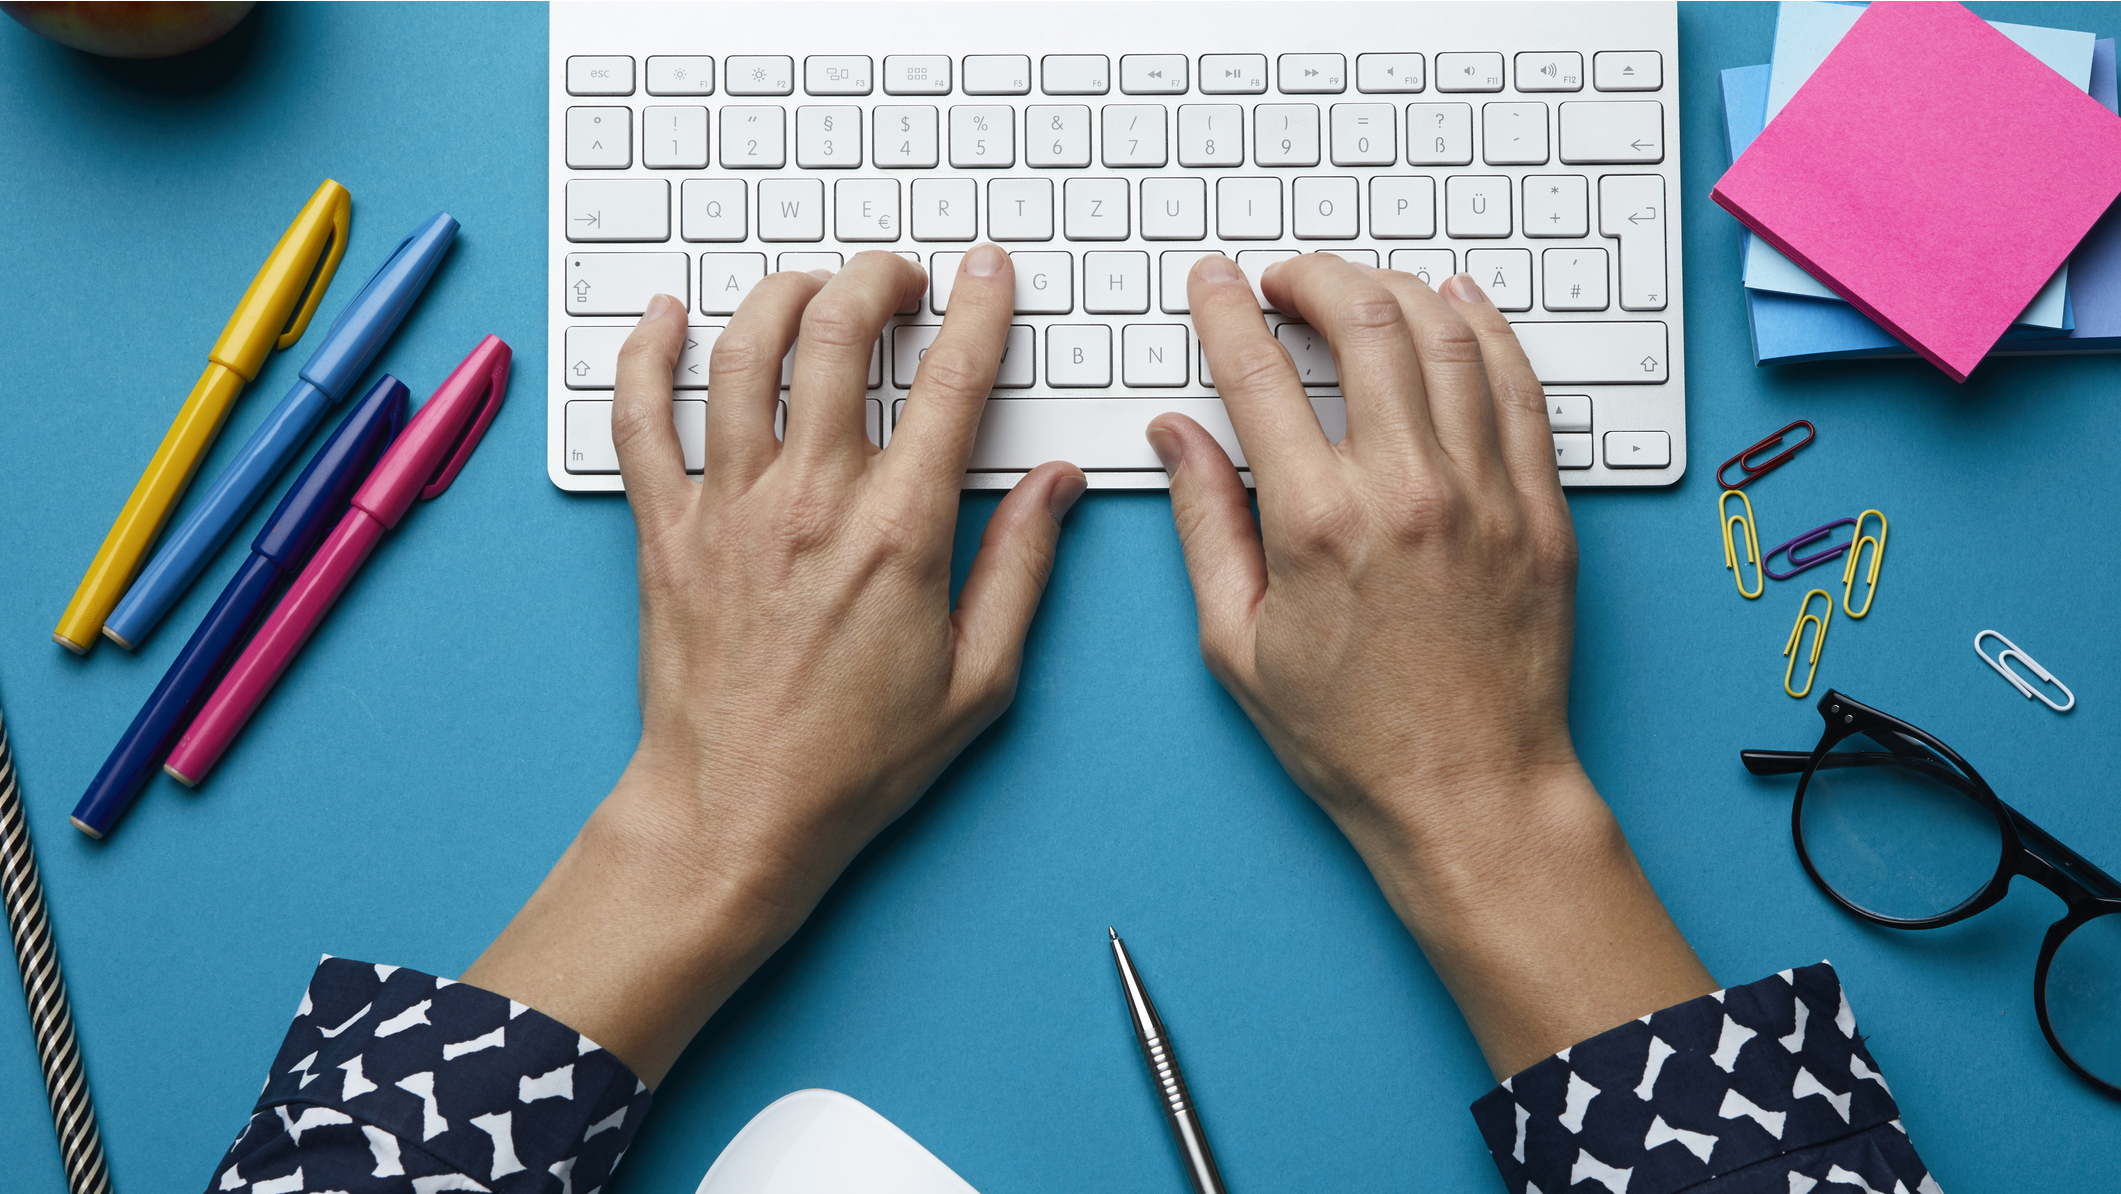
(1008, 576)
(1213, 513)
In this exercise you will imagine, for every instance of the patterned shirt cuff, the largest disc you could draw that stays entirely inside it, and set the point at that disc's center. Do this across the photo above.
(499, 1092)
(1743, 1085)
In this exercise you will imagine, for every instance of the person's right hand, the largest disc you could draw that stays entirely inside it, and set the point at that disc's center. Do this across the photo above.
(1398, 625)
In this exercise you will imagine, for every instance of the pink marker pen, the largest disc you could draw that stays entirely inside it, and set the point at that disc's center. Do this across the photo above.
(425, 459)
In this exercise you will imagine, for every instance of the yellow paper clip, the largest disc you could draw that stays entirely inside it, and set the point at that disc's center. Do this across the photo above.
(1848, 571)
(1818, 641)
(1730, 545)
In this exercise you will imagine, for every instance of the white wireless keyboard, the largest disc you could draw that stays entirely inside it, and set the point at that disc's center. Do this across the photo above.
(696, 147)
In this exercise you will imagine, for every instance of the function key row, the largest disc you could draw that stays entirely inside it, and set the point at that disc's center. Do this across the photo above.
(1091, 74)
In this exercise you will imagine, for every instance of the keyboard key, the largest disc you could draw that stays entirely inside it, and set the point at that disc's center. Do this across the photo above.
(680, 74)
(904, 138)
(599, 138)
(1638, 449)
(1586, 353)
(1233, 74)
(1439, 134)
(591, 356)
(836, 74)
(1135, 136)
(1116, 283)
(618, 209)
(1365, 135)
(622, 283)
(1627, 70)
(1572, 451)
(1174, 209)
(865, 209)
(1630, 131)
(876, 350)
(791, 209)
(712, 209)
(1045, 283)
(1387, 74)
(1557, 205)
(1173, 265)
(828, 138)
(1211, 135)
(1469, 72)
(759, 74)
(803, 263)
(1096, 209)
(1631, 208)
(1285, 135)
(1075, 74)
(725, 278)
(1311, 354)
(1557, 71)
(1153, 354)
(589, 447)
(982, 135)
(1574, 279)
(1476, 205)
(1057, 135)
(1313, 74)
(1254, 263)
(606, 74)
(1020, 209)
(1324, 208)
(945, 209)
(997, 74)
(674, 138)
(1366, 257)
(1078, 356)
(1569, 412)
(1103, 434)
(1248, 208)
(754, 138)
(1506, 274)
(1153, 74)
(910, 343)
(1432, 266)
(1514, 134)
(1402, 208)
(917, 74)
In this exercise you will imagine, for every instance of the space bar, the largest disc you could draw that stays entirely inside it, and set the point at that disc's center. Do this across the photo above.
(1608, 353)
(1105, 433)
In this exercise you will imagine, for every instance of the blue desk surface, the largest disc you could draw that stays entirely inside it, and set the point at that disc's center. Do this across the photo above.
(439, 743)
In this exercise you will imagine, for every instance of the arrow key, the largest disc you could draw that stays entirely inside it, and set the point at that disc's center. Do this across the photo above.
(1638, 449)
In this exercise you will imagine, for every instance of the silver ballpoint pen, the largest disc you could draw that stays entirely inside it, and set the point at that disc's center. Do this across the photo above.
(1163, 1070)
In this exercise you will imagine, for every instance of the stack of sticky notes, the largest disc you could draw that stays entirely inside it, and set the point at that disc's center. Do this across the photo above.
(1915, 179)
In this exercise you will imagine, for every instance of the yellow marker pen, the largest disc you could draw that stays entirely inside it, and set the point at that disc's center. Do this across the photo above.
(273, 314)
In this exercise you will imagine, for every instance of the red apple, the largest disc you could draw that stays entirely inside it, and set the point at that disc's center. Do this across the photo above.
(130, 29)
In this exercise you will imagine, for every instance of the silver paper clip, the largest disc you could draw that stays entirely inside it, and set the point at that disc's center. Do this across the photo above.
(2010, 651)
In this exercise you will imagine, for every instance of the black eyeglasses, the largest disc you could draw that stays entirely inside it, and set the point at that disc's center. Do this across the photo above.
(1895, 827)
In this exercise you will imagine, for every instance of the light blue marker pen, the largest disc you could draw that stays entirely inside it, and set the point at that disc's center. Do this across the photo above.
(338, 363)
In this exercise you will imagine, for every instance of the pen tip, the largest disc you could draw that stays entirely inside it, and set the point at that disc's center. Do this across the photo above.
(1113, 931)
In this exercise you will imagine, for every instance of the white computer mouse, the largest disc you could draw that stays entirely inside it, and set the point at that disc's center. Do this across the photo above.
(822, 1142)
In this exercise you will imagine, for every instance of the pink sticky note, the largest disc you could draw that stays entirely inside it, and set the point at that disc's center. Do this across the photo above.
(1932, 173)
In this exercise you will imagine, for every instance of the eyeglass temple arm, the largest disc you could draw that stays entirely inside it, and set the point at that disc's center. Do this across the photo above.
(1775, 762)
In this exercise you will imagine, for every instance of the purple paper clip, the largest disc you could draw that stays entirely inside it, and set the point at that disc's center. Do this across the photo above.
(1800, 563)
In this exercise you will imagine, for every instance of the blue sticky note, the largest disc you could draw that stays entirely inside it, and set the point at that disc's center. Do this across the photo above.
(1805, 33)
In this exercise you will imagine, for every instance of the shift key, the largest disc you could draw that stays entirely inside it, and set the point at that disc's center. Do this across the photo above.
(622, 283)
(1596, 352)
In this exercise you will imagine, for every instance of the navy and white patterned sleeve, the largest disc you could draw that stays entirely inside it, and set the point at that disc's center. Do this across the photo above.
(1760, 1089)
(391, 1081)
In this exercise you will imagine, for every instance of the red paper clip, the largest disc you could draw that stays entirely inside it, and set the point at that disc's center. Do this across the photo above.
(1751, 471)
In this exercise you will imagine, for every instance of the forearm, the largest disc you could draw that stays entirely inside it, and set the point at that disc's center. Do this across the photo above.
(1534, 912)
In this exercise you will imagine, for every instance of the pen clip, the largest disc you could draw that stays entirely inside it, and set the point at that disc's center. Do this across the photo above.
(496, 383)
(327, 265)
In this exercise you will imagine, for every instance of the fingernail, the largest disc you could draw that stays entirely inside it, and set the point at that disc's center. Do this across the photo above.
(1215, 268)
(984, 261)
(660, 306)
(822, 275)
(1463, 288)
(1062, 499)
(1165, 445)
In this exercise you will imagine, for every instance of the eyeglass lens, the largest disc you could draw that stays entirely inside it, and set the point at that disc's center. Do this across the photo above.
(2084, 996)
(1897, 834)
